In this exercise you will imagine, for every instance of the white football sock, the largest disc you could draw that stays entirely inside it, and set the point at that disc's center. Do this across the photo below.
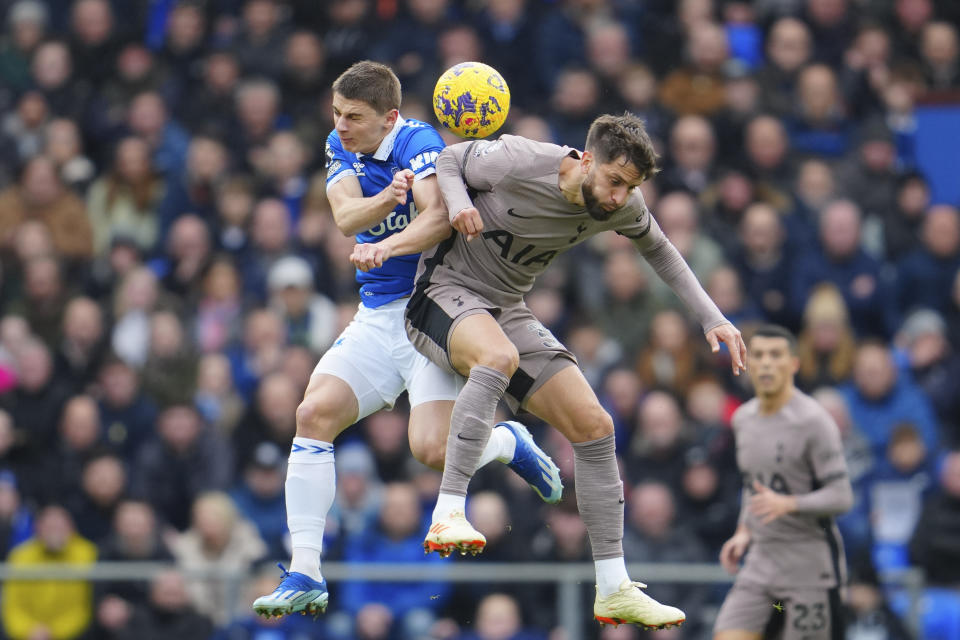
(310, 489)
(500, 447)
(610, 575)
(447, 503)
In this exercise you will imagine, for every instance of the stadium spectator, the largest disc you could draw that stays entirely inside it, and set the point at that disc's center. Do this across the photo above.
(211, 107)
(870, 176)
(395, 538)
(768, 152)
(216, 398)
(262, 35)
(126, 413)
(900, 484)
(259, 497)
(219, 308)
(657, 450)
(670, 344)
(498, 618)
(26, 24)
(45, 296)
(218, 538)
(260, 352)
(168, 614)
(270, 418)
(83, 345)
(185, 43)
(574, 101)
(903, 219)
(763, 264)
(103, 486)
(627, 309)
(184, 459)
(819, 123)
(934, 543)
(51, 609)
(124, 201)
(789, 47)
(842, 262)
(692, 155)
(191, 189)
(655, 534)
(170, 371)
(60, 466)
(879, 399)
(310, 317)
(698, 88)
(940, 52)
(35, 405)
(725, 288)
(56, 79)
(359, 493)
(826, 344)
(63, 143)
(40, 195)
(934, 366)
(136, 536)
(926, 273)
(149, 119)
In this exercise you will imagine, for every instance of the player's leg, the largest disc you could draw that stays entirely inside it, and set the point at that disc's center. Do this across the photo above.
(349, 382)
(812, 614)
(567, 402)
(432, 394)
(748, 612)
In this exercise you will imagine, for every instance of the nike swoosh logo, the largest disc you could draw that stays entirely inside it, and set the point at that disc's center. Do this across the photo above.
(460, 437)
(517, 215)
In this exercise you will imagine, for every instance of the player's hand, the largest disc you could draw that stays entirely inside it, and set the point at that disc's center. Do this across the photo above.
(370, 255)
(402, 183)
(729, 335)
(732, 550)
(768, 505)
(468, 223)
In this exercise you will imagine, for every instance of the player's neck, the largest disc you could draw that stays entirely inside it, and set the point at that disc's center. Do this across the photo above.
(771, 404)
(570, 180)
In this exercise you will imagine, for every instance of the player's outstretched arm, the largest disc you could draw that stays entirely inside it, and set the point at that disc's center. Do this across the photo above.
(353, 213)
(431, 226)
(471, 165)
(674, 270)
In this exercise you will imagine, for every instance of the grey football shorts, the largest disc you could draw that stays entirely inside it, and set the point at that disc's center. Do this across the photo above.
(435, 311)
(794, 613)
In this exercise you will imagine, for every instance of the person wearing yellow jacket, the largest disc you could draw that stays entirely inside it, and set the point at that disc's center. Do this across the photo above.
(50, 609)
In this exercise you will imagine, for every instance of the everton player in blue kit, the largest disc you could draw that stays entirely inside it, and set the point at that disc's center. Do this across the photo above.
(375, 161)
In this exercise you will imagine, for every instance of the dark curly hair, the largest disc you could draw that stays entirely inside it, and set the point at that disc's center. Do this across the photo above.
(613, 137)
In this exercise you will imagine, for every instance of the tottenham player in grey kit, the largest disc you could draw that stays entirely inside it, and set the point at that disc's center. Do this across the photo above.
(795, 481)
(518, 204)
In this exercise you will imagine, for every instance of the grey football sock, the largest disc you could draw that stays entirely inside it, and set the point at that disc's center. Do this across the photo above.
(600, 495)
(470, 427)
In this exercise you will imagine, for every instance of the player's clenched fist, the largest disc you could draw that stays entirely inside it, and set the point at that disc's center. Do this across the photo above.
(370, 255)
(468, 222)
(402, 182)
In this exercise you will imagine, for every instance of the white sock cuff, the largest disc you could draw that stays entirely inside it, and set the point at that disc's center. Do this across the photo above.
(310, 451)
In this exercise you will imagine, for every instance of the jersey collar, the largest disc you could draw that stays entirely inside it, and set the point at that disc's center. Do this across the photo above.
(386, 146)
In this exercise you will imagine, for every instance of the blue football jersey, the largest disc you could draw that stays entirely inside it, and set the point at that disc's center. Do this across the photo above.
(410, 145)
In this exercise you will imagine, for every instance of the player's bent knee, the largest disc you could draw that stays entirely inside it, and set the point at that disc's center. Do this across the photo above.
(429, 449)
(504, 359)
(596, 424)
(320, 419)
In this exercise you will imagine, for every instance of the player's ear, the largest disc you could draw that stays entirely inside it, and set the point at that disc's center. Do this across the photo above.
(392, 116)
(586, 161)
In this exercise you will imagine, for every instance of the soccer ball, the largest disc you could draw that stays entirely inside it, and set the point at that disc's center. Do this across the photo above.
(471, 99)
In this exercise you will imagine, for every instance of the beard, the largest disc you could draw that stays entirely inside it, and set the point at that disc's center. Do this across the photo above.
(592, 204)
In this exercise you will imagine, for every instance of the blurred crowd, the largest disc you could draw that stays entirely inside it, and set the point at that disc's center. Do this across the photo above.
(170, 273)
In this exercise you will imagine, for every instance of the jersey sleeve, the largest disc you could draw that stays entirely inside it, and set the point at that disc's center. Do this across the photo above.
(419, 150)
(478, 165)
(660, 253)
(338, 164)
(832, 493)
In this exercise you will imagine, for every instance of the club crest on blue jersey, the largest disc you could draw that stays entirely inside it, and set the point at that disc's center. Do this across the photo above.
(409, 145)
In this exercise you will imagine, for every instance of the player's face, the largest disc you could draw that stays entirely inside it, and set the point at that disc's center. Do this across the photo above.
(770, 364)
(360, 127)
(608, 186)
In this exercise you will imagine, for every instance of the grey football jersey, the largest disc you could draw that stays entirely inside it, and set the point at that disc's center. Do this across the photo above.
(795, 451)
(527, 223)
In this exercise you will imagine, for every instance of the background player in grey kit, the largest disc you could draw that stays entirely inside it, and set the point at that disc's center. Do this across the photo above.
(529, 203)
(794, 482)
